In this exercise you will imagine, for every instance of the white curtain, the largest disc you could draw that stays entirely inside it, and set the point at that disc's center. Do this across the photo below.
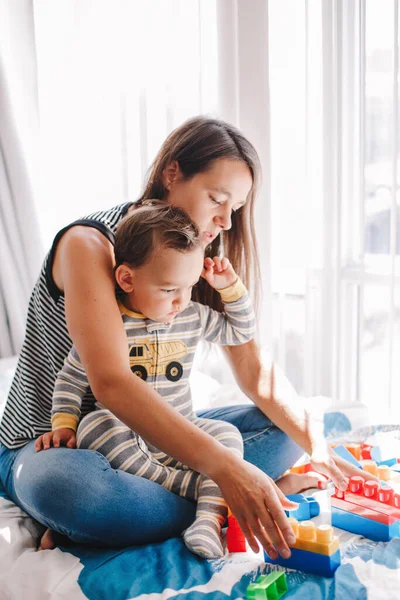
(20, 243)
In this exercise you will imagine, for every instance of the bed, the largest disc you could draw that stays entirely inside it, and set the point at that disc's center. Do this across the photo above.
(168, 570)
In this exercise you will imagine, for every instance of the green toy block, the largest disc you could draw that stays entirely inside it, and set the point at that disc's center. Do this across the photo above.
(268, 587)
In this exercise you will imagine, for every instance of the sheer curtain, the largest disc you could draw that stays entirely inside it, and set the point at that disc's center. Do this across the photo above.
(20, 242)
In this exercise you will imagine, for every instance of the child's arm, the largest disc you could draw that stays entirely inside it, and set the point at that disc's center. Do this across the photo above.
(70, 387)
(237, 324)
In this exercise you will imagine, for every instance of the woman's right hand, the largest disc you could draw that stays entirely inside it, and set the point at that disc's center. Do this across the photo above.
(258, 505)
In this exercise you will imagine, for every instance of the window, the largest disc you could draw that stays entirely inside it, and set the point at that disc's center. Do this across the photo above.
(335, 199)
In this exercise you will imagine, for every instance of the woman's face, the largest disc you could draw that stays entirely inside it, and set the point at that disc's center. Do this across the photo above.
(210, 197)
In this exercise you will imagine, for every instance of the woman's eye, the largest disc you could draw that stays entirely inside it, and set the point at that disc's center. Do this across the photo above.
(167, 291)
(215, 201)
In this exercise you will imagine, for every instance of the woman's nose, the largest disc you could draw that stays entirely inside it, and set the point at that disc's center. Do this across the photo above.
(224, 219)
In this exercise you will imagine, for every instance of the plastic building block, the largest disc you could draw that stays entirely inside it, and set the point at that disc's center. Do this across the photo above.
(354, 449)
(372, 495)
(268, 587)
(377, 506)
(370, 466)
(385, 451)
(235, 538)
(344, 453)
(301, 469)
(316, 549)
(384, 472)
(389, 462)
(307, 509)
(309, 562)
(366, 451)
(355, 523)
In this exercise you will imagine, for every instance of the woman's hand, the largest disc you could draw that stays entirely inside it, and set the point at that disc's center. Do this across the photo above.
(219, 273)
(258, 505)
(57, 438)
(324, 460)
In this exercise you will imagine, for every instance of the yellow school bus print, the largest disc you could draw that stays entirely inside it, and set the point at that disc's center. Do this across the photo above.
(151, 358)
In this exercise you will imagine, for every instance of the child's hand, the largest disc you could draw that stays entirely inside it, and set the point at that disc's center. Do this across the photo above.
(219, 272)
(57, 438)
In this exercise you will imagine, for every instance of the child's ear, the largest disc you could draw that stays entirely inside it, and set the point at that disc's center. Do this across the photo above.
(124, 275)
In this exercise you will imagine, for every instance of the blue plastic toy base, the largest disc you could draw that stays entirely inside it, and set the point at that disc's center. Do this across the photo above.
(373, 530)
(309, 562)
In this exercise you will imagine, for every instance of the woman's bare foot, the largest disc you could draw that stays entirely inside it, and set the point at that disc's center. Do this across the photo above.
(51, 539)
(295, 483)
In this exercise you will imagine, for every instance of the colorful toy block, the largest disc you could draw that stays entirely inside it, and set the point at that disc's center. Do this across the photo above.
(268, 587)
(370, 466)
(344, 453)
(235, 538)
(366, 451)
(355, 523)
(301, 469)
(307, 509)
(372, 502)
(386, 451)
(316, 549)
(384, 472)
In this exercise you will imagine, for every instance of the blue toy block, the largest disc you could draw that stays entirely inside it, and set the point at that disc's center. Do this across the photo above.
(370, 529)
(344, 453)
(307, 509)
(389, 463)
(308, 562)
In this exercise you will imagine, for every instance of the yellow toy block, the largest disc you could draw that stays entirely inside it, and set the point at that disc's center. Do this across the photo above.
(320, 540)
(370, 466)
(384, 473)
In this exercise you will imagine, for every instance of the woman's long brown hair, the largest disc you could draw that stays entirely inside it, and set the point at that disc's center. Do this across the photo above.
(195, 145)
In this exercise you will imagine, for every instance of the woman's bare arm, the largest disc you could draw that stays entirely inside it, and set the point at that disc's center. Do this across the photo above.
(282, 405)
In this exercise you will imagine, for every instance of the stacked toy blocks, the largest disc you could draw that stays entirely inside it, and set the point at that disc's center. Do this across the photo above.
(307, 509)
(316, 549)
(268, 587)
(235, 538)
(367, 508)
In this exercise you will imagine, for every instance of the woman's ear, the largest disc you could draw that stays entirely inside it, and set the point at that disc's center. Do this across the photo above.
(124, 274)
(171, 174)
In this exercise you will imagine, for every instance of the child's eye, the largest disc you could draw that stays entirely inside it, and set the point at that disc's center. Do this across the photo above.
(168, 291)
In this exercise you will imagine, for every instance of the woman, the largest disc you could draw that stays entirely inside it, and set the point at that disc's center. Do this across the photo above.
(209, 169)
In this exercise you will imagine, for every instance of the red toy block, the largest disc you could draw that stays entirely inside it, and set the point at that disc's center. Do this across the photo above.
(366, 451)
(361, 511)
(235, 538)
(370, 495)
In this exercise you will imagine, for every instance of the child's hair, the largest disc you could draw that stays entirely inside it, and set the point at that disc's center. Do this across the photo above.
(152, 226)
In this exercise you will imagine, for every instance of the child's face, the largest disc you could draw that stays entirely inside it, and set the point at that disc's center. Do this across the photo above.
(162, 288)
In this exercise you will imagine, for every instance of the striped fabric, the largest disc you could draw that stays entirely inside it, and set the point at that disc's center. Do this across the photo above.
(47, 343)
(160, 353)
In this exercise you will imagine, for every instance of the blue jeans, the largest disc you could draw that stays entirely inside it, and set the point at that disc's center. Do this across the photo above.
(77, 493)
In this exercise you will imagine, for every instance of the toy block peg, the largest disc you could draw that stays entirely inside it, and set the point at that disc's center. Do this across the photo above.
(384, 473)
(371, 467)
